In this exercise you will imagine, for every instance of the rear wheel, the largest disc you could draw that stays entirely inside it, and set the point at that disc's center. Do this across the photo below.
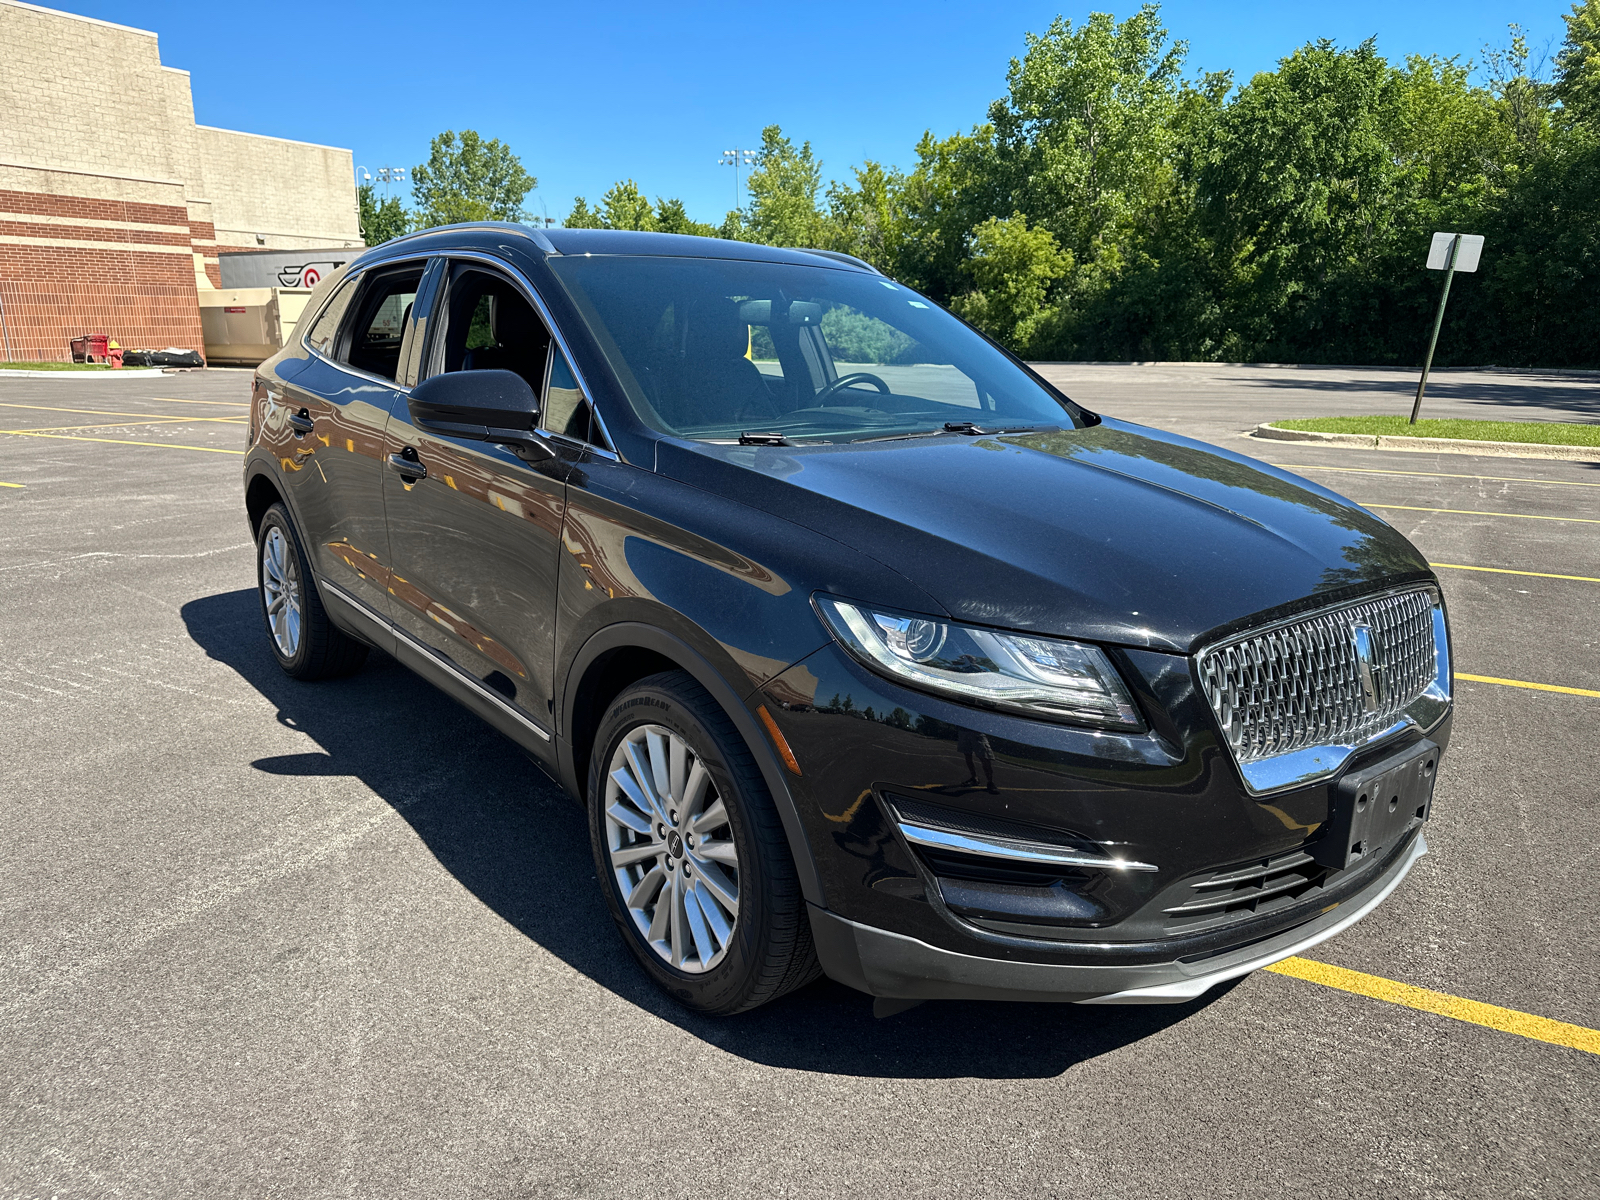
(306, 644)
(691, 852)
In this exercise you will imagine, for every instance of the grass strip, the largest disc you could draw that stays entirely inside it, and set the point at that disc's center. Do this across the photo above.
(53, 366)
(1541, 433)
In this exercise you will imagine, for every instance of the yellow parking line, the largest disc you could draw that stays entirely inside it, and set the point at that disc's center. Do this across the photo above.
(121, 442)
(120, 424)
(1522, 683)
(1507, 1020)
(1432, 474)
(104, 412)
(1509, 571)
(1467, 512)
(16, 485)
(175, 400)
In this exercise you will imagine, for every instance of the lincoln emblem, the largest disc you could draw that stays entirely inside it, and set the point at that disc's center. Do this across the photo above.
(1371, 673)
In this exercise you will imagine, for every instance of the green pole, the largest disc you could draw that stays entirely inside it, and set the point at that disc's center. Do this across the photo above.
(1438, 320)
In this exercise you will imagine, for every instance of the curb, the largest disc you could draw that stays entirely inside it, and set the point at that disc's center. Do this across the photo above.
(125, 373)
(1373, 441)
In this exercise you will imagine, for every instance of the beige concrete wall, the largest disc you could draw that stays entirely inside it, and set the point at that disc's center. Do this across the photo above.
(297, 195)
(91, 97)
(85, 95)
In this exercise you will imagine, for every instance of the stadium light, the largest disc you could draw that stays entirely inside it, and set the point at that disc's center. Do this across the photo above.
(737, 158)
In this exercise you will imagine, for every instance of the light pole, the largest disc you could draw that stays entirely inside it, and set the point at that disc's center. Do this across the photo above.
(363, 176)
(387, 175)
(1450, 252)
(737, 158)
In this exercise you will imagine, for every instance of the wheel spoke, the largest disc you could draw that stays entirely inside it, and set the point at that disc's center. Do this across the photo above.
(712, 911)
(628, 855)
(694, 791)
(713, 818)
(660, 767)
(628, 784)
(720, 886)
(644, 778)
(722, 852)
(623, 815)
(704, 947)
(679, 921)
(661, 920)
(677, 768)
(646, 888)
(276, 603)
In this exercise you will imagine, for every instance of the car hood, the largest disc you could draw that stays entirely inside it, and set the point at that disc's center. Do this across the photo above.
(1114, 532)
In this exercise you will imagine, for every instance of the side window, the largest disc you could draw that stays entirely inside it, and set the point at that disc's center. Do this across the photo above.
(565, 410)
(488, 325)
(327, 326)
(380, 324)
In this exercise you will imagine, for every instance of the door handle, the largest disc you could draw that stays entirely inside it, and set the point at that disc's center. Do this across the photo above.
(407, 466)
(301, 423)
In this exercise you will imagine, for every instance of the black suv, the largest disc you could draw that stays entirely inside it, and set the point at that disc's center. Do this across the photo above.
(868, 652)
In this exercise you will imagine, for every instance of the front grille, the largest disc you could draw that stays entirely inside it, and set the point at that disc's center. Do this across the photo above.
(1300, 683)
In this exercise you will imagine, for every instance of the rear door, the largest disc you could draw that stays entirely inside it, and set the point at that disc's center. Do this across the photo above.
(339, 403)
(475, 541)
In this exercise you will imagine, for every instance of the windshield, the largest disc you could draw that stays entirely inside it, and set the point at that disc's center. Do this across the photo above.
(714, 349)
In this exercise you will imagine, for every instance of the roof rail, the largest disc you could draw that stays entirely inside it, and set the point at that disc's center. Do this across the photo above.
(840, 256)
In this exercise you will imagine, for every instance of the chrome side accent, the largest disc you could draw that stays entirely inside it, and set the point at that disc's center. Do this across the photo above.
(1016, 851)
(1296, 698)
(434, 658)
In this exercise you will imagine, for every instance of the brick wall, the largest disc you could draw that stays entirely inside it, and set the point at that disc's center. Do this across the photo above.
(74, 264)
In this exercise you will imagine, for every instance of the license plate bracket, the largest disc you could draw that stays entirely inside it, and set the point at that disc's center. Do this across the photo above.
(1373, 808)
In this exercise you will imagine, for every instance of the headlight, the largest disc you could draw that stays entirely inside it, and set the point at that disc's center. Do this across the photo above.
(1042, 677)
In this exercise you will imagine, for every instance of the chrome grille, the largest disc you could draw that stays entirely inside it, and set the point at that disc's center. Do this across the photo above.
(1301, 683)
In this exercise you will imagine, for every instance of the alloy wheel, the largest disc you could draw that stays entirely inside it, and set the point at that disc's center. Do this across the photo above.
(671, 848)
(280, 590)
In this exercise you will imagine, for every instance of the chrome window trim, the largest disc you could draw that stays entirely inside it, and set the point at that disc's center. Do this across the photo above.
(1296, 768)
(556, 335)
(477, 686)
(393, 385)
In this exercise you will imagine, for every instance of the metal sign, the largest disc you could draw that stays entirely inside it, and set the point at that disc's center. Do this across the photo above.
(1466, 257)
(1450, 252)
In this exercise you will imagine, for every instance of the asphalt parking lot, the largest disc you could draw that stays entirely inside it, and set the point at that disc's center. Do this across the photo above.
(267, 938)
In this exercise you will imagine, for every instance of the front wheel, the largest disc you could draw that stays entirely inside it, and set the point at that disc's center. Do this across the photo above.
(691, 852)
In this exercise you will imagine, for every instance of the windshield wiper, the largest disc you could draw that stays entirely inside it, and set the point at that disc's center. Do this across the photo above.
(763, 439)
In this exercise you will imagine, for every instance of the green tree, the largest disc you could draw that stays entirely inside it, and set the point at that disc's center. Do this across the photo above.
(1012, 268)
(380, 220)
(469, 179)
(861, 218)
(783, 188)
(1578, 65)
(624, 207)
(954, 187)
(582, 216)
(671, 217)
(1085, 132)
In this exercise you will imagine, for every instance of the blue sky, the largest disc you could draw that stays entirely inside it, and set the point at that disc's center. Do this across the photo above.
(590, 93)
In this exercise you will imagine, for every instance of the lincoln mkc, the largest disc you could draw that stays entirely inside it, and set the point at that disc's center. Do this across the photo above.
(867, 651)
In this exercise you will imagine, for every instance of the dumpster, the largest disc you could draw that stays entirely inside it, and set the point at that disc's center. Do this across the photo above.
(246, 326)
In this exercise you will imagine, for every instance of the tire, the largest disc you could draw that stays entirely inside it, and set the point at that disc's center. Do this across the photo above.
(306, 644)
(670, 727)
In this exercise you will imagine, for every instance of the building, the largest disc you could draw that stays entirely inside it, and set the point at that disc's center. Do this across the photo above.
(114, 204)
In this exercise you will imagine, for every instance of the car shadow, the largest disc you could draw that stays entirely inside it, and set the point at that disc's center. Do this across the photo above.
(497, 824)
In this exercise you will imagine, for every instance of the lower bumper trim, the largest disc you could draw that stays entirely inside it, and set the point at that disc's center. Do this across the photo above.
(893, 965)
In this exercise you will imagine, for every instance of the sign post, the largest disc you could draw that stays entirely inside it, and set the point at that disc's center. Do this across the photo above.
(1450, 252)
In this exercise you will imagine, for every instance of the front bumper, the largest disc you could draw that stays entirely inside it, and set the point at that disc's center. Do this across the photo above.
(892, 965)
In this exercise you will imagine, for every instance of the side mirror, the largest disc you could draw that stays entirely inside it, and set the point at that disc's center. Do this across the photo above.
(485, 406)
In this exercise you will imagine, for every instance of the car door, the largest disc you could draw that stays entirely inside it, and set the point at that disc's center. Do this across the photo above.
(474, 529)
(339, 403)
